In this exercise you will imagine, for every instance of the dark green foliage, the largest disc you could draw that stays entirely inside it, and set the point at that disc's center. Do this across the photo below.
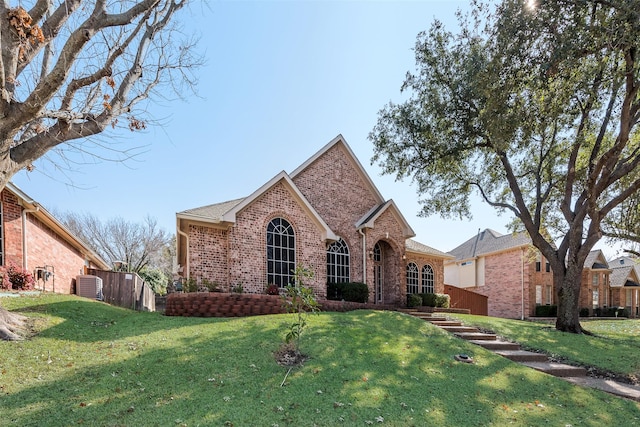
(414, 300)
(611, 312)
(584, 312)
(546, 310)
(533, 107)
(351, 291)
(435, 300)
(443, 300)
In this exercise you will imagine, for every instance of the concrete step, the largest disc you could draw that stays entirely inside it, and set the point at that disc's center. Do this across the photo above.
(523, 356)
(446, 322)
(454, 329)
(557, 369)
(476, 336)
(496, 345)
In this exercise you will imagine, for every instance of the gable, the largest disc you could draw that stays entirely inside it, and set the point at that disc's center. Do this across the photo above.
(488, 242)
(338, 160)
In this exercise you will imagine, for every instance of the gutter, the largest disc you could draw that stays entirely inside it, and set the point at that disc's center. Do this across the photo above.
(186, 237)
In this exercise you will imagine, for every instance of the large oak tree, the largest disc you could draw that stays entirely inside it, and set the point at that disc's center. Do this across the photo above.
(534, 106)
(71, 69)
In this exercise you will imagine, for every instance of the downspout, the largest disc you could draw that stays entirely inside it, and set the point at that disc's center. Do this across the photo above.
(186, 237)
(24, 234)
(476, 280)
(364, 255)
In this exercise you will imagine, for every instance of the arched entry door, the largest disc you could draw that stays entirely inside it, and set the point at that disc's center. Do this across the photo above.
(385, 268)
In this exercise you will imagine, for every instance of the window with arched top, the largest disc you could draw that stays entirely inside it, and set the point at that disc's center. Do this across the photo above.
(281, 252)
(377, 253)
(428, 285)
(412, 278)
(338, 262)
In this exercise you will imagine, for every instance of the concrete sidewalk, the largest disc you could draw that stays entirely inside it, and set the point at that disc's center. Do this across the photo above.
(574, 374)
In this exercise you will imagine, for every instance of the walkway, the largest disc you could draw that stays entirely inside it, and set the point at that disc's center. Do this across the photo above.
(538, 361)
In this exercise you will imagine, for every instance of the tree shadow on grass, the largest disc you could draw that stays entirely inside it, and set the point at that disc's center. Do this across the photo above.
(366, 367)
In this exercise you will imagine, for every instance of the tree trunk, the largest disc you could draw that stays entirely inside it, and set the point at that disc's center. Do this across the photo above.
(567, 286)
(12, 326)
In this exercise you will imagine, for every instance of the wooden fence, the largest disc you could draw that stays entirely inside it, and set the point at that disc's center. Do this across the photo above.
(126, 290)
(462, 298)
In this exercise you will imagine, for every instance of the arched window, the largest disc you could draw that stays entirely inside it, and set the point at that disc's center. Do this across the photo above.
(377, 253)
(281, 252)
(427, 280)
(412, 278)
(338, 262)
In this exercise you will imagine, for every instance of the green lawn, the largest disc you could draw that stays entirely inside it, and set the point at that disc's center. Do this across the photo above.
(614, 345)
(96, 365)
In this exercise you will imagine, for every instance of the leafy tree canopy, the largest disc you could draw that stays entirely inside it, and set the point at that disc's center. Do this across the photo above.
(534, 106)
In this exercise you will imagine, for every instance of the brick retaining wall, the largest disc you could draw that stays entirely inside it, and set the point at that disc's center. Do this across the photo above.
(218, 304)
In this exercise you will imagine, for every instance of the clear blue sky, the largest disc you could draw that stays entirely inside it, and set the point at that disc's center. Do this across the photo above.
(282, 79)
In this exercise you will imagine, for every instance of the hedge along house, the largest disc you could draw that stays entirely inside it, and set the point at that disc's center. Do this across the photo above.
(326, 215)
(35, 241)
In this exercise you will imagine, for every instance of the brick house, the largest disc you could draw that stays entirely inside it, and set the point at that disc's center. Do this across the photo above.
(625, 284)
(595, 283)
(33, 240)
(326, 215)
(505, 268)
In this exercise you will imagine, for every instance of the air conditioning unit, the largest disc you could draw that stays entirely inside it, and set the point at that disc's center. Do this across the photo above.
(89, 287)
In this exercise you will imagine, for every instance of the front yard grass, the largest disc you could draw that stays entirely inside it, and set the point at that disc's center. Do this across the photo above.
(92, 364)
(613, 347)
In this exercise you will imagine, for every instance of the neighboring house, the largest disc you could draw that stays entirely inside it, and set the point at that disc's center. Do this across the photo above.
(326, 215)
(34, 241)
(594, 284)
(505, 268)
(625, 284)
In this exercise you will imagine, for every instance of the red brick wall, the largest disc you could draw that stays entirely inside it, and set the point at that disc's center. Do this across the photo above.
(503, 285)
(245, 245)
(44, 247)
(338, 193)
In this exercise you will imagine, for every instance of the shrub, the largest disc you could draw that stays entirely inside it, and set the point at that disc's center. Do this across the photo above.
(237, 289)
(19, 279)
(443, 300)
(272, 290)
(189, 285)
(4, 279)
(546, 310)
(414, 300)
(436, 300)
(351, 291)
(584, 312)
(211, 286)
(428, 300)
(611, 312)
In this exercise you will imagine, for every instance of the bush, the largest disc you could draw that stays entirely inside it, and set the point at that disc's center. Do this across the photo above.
(443, 300)
(584, 312)
(351, 291)
(17, 278)
(414, 300)
(611, 312)
(272, 290)
(546, 310)
(211, 286)
(189, 285)
(436, 300)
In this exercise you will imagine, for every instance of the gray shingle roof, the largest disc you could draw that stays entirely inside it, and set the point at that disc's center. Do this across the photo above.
(489, 241)
(414, 246)
(622, 270)
(212, 213)
(596, 260)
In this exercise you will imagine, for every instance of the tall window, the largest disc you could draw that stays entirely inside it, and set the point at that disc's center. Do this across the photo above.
(338, 262)
(427, 280)
(412, 278)
(281, 252)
